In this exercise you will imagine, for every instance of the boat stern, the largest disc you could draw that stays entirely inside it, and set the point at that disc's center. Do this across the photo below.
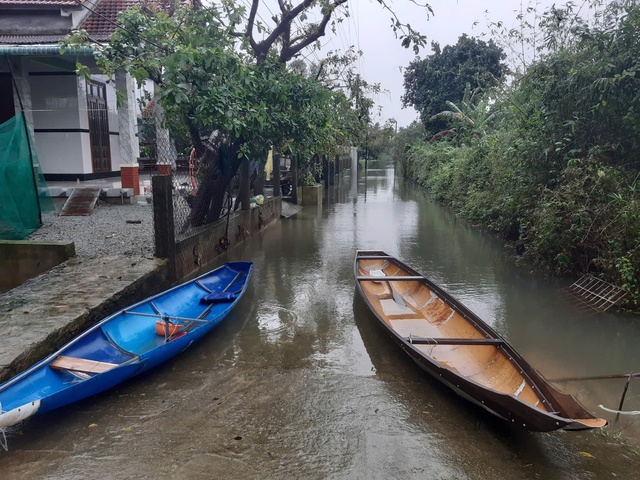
(585, 423)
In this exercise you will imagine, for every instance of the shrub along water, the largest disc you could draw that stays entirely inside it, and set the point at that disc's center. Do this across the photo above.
(558, 171)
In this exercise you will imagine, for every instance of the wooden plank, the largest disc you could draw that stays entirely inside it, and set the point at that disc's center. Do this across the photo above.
(81, 365)
(81, 202)
(453, 341)
(374, 257)
(396, 278)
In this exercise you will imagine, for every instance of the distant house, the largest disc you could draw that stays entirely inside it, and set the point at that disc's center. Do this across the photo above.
(79, 130)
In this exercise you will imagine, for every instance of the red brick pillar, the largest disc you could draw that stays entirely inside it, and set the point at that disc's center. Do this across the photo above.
(164, 168)
(130, 177)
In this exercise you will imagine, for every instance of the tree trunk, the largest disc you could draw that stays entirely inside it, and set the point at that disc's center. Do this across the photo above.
(220, 167)
(258, 183)
(245, 183)
(205, 189)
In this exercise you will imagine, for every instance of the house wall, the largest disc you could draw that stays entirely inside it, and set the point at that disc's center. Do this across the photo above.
(61, 122)
(55, 97)
(57, 123)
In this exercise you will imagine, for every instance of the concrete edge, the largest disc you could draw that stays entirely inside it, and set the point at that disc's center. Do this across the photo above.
(145, 286)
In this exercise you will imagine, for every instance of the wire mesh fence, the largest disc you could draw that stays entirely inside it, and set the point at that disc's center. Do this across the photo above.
(196, 202)
(184, 183)
(189, 192)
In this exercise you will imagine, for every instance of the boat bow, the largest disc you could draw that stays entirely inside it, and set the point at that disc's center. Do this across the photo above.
(16, 415)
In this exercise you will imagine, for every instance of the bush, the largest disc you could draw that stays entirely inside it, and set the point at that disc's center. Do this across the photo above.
(590, 223)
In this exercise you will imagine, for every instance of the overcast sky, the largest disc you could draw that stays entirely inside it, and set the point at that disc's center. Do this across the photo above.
(384, 58)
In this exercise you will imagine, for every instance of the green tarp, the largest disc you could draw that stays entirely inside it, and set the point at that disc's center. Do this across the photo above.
(23, 192)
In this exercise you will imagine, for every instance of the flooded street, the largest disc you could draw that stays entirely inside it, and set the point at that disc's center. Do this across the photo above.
(300, 382)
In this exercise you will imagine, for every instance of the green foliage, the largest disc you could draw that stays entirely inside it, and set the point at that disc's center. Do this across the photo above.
(207, 84)
(557, 170)
(591, 222)
(438, 167)
(482, 182)
(378, 140)
(585, 96)
(401, 144)
(469, 120)
(446, 74)
(233, 98)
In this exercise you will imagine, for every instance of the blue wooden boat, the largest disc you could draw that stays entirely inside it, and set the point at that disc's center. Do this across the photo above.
(129, 342)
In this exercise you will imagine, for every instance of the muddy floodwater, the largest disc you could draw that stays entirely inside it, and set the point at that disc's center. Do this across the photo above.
(299, 382)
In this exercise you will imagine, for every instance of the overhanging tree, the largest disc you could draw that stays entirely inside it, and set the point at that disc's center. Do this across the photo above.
(235, 100)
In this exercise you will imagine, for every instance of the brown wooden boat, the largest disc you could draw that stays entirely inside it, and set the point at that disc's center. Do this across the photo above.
(459, 349)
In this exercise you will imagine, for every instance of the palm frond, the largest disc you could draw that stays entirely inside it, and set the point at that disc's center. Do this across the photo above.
(449, 115)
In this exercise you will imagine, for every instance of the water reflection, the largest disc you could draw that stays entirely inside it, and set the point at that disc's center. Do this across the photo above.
(303, 375)
(308, 270)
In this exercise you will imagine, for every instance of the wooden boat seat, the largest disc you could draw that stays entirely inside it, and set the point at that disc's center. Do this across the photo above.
(455, 341)
(81, 365)
(387, 278)
(414, 327)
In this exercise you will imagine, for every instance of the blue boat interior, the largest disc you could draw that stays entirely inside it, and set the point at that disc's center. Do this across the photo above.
(134, 330)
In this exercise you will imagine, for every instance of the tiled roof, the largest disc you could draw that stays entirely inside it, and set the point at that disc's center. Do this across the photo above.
(38, 3)
(102, 21)
(30, 39)
(100, 24)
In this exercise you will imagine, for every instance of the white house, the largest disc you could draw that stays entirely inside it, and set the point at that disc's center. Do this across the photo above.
(79, 130)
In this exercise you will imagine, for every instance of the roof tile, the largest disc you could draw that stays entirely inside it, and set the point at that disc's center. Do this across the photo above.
(38, 3)
(30, 39)
(100, 24)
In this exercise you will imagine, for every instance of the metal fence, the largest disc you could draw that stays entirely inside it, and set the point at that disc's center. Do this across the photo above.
(185, 173)
(179, 198)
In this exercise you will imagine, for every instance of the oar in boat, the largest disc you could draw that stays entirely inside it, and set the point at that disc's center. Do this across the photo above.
(188, 327)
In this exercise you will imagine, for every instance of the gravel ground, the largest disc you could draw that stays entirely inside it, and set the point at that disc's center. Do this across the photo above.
(109, 230)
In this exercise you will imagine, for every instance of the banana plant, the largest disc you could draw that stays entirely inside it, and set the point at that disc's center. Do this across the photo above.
(468, 119)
